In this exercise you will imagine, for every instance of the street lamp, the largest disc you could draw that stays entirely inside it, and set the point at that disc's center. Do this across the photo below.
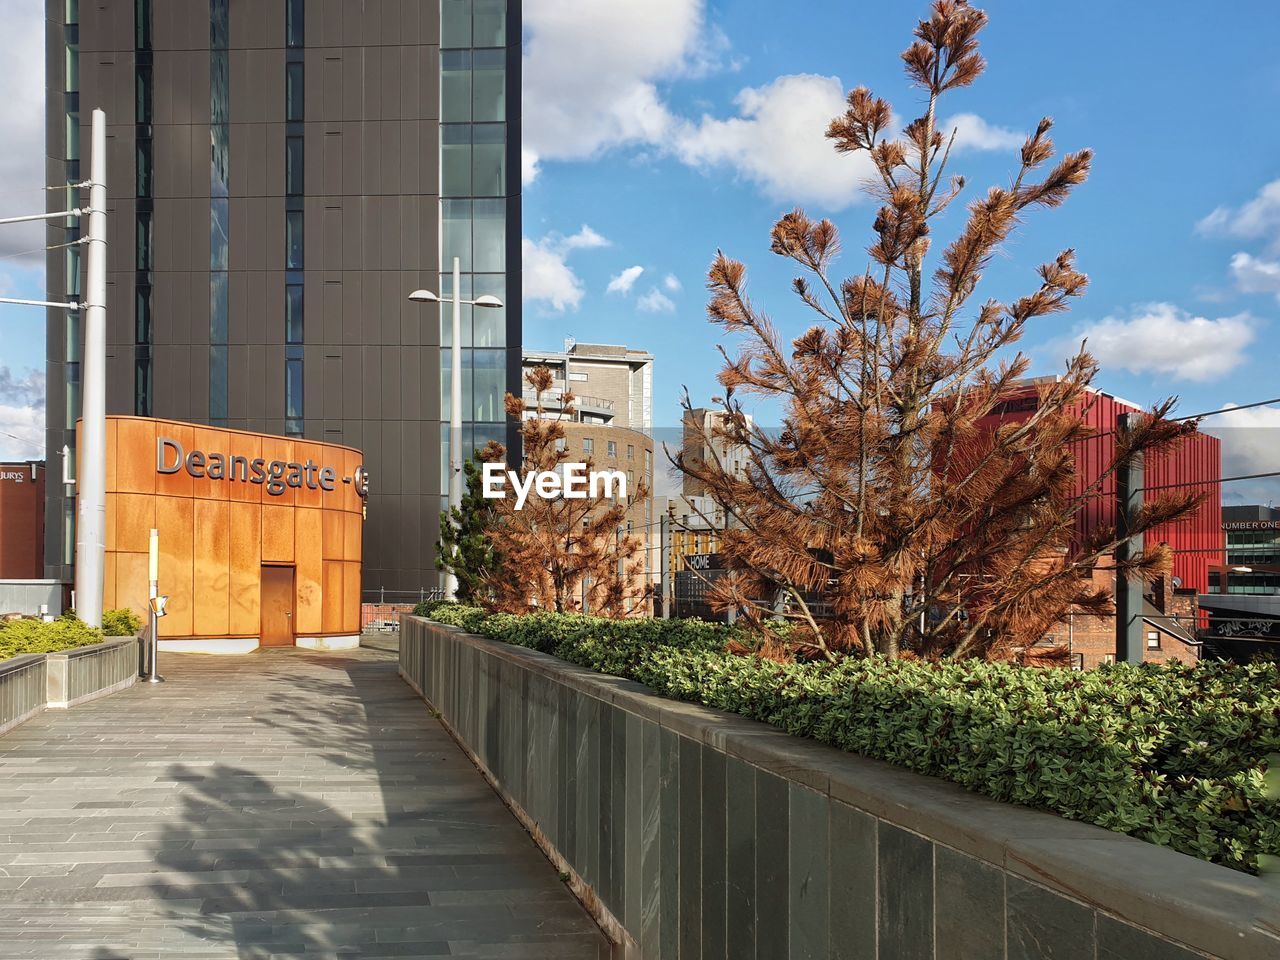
(455, 392)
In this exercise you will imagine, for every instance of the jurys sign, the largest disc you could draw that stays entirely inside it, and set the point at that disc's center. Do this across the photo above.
(277, 475)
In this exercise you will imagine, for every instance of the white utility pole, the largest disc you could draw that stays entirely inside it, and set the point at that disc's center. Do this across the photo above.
(91, 520)
(455, 415)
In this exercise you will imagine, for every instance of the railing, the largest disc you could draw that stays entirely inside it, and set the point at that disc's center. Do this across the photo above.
(36, 681)
(556, 398)
(380, 609)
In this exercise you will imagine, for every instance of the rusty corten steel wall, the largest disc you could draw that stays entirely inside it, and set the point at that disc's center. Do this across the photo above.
(1198, 541)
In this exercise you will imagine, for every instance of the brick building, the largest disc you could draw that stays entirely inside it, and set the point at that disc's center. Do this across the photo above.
(22, 520)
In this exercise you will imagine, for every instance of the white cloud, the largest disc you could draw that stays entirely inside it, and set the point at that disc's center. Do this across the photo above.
(1258, 218)
(22, 160)
(591, 72)
(1250, 444)
(974, 133)
(655, 301)
(623, 282)
(21, 415)
(672, 283)
(547, 277)
(1254, 275)
(1161, 339)
(778, 142)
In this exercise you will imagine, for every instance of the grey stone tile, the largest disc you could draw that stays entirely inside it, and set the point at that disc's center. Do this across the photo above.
(689, 945)
(1120, 941)
(905, 894)
(649, 930)
(669, 844)
(853, 881)
(740, 859)
(808, 868)
(969, 908)
(772, 866)
(1041, 925)
(712, 903)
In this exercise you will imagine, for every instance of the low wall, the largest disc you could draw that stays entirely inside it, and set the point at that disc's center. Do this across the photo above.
(87, 673)
(23, 683)
(34, 681)
(693, 833)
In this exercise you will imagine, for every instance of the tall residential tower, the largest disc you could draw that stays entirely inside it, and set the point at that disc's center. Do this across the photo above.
(282, 173)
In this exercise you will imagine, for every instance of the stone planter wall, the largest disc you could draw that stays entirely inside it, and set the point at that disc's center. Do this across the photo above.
(693, 833)
(32, 682)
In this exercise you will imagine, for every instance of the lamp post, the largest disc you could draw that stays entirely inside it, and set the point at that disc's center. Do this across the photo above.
(455, 392)
(91, 522)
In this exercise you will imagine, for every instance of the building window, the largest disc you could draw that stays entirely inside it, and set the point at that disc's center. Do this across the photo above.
(219, 232)
(142, 24)
(143, 166)
(293, 240)
(293, 389)
(142, 314)
(631, 451)
(612, 449)
(561, 445)
(293, 313)
(142, 93)
(218, 383)
(293, 96)
(142, 237)
(648, 462)
(295, 23)
(293, 166)
(488, 161)
(1153, 640)
(73, 136)
(489, 85)
(142, 387)
(1108, 658)
(588, 446)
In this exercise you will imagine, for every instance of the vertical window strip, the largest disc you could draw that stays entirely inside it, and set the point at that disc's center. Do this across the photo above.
(294, 239)
(219, 206)
(144, 189)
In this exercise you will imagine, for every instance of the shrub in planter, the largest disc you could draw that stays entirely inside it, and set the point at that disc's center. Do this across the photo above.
(1174, 754)
(121, 623)
(35, 636)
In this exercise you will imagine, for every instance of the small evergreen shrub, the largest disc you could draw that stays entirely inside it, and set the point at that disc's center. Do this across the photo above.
(121, 623)
(1174, 754)
(35, 636)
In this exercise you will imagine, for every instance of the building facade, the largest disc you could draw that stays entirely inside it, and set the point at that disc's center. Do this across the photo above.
(1194, 464)
(1252, 566)
(281, 174)
(259, 536)
(611, 385)
(22, 520)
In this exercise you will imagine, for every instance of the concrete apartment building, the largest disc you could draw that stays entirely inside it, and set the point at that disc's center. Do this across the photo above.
(281, 174)
(613, 385)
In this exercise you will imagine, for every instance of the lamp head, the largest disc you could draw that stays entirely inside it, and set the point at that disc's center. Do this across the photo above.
(488, 300)
(423, 296)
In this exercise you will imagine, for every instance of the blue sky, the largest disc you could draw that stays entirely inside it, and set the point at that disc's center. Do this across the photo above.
(657, 132)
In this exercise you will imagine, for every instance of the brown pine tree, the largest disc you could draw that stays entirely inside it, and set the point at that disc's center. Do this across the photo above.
(557, 553)
(881, 516)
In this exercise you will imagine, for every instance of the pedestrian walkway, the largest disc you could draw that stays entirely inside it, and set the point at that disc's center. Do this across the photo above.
(281, 804)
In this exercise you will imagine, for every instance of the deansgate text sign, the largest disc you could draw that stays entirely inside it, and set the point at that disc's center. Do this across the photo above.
(277, 475)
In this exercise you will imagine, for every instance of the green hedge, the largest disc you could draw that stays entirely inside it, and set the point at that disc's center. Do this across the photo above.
(121, 623)
(35, 636)
(1173, 754)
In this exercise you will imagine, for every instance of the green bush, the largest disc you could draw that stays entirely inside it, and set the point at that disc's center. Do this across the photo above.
(35, 636)
(1173, 754)
(121, 623)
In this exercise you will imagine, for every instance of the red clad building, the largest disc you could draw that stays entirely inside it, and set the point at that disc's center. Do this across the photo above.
(1198, 541)
(22, 520)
